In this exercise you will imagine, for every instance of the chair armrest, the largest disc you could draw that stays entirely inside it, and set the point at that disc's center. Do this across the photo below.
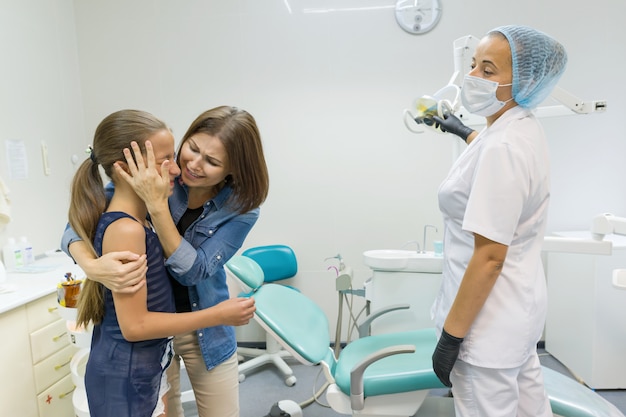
(364, 328)
(357, 397)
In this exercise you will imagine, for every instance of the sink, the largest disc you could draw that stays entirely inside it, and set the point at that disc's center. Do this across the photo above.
(403, 261)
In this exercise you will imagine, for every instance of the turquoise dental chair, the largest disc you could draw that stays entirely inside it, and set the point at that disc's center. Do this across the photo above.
(381, 375)
(278, 262)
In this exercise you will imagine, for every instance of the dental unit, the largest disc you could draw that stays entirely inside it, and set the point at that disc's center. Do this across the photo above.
(586, 279)
(385, 374)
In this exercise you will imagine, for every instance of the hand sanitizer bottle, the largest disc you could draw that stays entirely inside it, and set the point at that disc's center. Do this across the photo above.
(12, 255)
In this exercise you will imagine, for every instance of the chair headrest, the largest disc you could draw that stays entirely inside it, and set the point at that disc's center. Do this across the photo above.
(277, 261)
(246, 270)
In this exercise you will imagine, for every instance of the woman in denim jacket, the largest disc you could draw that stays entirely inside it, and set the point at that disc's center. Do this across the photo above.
(214, 205)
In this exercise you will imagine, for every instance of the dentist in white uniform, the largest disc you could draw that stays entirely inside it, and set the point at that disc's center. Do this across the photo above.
(491, 307)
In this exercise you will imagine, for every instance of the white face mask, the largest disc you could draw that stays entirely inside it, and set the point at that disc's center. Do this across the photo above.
(479, 96)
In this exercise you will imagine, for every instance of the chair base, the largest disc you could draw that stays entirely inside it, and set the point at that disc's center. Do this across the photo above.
(187, 396)
(260, 358)
(403, 404)
(272, 354)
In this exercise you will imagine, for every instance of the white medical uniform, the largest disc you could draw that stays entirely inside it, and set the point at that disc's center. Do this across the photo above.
(499, 188)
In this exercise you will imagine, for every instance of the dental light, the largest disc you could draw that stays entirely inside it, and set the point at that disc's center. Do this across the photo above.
(447, 99)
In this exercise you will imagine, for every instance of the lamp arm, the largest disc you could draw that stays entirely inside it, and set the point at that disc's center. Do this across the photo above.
(576, 104)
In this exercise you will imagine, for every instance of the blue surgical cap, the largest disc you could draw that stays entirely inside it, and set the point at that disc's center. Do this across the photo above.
(538, 62)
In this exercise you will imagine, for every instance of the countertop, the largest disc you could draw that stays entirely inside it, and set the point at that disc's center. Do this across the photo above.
(37, 280)
(618, 241)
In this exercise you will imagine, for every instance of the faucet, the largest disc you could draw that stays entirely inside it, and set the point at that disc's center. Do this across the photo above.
(424, 237)
(410, 242)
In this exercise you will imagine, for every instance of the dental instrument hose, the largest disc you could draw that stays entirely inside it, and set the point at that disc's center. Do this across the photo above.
(343, 283)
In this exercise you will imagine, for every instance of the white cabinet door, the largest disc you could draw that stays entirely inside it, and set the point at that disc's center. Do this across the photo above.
(17, 385)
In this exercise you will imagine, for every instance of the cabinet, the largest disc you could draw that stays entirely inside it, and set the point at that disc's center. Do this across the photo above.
(36, 355)
(416, 289)
(585, 324)
(17, 385)
(51, 353)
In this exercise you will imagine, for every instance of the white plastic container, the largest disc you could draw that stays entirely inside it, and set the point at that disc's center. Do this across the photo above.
(78, 363)
(79, 400)
(3, 273)
(28, 257)
(12, 255)
(77, 370)
(79, 336)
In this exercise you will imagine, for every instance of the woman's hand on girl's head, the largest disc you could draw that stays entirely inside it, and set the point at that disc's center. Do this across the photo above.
(150, 185)
(236, 311)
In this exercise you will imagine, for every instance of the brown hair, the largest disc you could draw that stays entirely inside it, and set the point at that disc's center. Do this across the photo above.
(238, 132)
(88, 200)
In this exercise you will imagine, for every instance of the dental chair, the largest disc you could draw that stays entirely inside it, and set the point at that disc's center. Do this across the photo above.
(278, 262)
(381, 375)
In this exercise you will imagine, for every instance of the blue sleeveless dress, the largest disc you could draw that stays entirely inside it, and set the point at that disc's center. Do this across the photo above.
(122, 378)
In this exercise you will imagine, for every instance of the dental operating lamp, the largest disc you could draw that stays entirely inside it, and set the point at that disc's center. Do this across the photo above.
(447, 99)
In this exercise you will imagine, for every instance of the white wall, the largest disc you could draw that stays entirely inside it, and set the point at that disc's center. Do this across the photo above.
(327, 82)
(40, 101)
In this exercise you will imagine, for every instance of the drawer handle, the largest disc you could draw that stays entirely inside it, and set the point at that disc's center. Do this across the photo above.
(57, 367)
(65, 394)
(56, 338)
(51, 309)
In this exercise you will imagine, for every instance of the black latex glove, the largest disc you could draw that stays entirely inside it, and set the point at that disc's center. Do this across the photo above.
(454, 125)
(445, 355)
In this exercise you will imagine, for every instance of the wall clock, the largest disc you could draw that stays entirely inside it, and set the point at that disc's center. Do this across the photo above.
(418, 16)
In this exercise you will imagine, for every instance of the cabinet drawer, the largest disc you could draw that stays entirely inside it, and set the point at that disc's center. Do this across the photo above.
(56, 401)
(53, 368)
(42, 312)
(48, 340)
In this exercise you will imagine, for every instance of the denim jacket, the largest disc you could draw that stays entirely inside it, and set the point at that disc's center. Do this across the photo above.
(198, 262)
(209, 242)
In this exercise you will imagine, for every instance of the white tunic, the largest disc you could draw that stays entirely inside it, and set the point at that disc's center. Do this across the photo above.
(499, 188)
